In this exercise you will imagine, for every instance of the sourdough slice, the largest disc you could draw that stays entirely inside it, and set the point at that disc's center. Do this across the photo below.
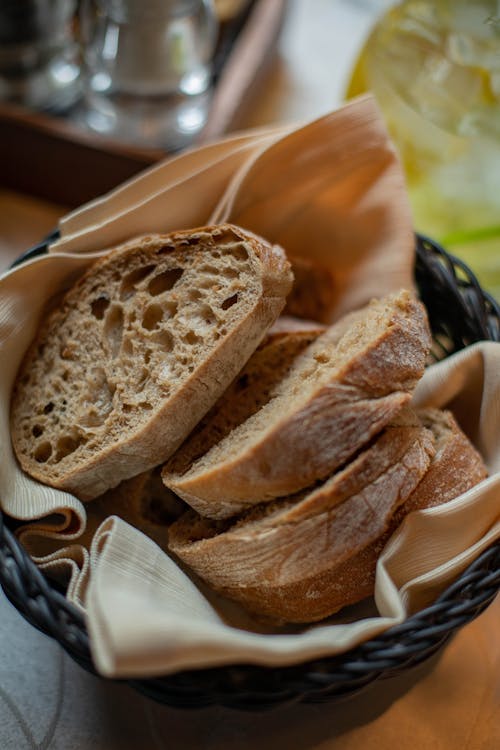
(455, 468)
(280, 559)
(457, 465)
(141, 347)
(343, 389)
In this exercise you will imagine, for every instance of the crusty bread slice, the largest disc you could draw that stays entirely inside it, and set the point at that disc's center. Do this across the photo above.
(455, 468)
(341, 391)
(141, 347)
(279, 559)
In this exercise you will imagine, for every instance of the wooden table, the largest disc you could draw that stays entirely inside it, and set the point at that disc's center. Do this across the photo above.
(449, 703)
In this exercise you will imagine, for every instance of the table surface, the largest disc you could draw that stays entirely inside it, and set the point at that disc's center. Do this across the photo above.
(49, 703)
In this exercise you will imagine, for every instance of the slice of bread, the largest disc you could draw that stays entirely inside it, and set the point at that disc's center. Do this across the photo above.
(139, 350)
(280, 559)
(455, 468)
(343, 389)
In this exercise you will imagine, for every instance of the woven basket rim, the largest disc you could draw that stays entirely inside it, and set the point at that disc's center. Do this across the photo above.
(254, 687)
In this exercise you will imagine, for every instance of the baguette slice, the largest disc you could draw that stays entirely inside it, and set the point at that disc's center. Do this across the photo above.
(344, 388)
(455, 468)
(141, 347)
(280, 559)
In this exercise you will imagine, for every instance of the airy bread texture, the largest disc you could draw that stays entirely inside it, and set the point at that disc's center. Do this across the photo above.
(280, 559)
(340, 392)
(144, 501)
(139, 350)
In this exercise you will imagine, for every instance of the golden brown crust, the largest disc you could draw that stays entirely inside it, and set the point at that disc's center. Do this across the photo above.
(283, 564)
(455, 468)
(276, 565)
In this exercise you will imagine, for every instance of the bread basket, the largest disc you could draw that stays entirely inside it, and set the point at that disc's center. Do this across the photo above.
(460, 313)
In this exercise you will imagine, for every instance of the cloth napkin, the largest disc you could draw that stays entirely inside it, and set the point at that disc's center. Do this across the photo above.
(332, 191)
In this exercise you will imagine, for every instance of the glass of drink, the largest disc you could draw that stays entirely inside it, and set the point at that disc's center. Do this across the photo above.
(434, 67)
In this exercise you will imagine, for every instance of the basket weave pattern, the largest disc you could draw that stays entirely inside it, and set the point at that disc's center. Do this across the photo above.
(460, 313)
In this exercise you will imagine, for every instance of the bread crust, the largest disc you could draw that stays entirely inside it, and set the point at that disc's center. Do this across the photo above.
(283, 565)
(455, 468)
(310, 434)
(124, 446)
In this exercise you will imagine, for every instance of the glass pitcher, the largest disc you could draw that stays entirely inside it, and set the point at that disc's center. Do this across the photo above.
(434, 66)
(147, 68)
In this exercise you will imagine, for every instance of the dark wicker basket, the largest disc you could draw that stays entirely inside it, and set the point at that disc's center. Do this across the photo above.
(460, 313)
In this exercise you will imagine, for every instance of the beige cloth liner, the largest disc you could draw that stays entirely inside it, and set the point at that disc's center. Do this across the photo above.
(332, 190)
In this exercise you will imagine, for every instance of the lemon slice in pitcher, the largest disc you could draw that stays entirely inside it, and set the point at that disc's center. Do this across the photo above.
(435, 70)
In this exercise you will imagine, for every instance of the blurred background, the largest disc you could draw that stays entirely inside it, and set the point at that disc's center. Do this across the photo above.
(105, 87)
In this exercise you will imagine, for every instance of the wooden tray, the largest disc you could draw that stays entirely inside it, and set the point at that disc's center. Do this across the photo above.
(55, 160)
